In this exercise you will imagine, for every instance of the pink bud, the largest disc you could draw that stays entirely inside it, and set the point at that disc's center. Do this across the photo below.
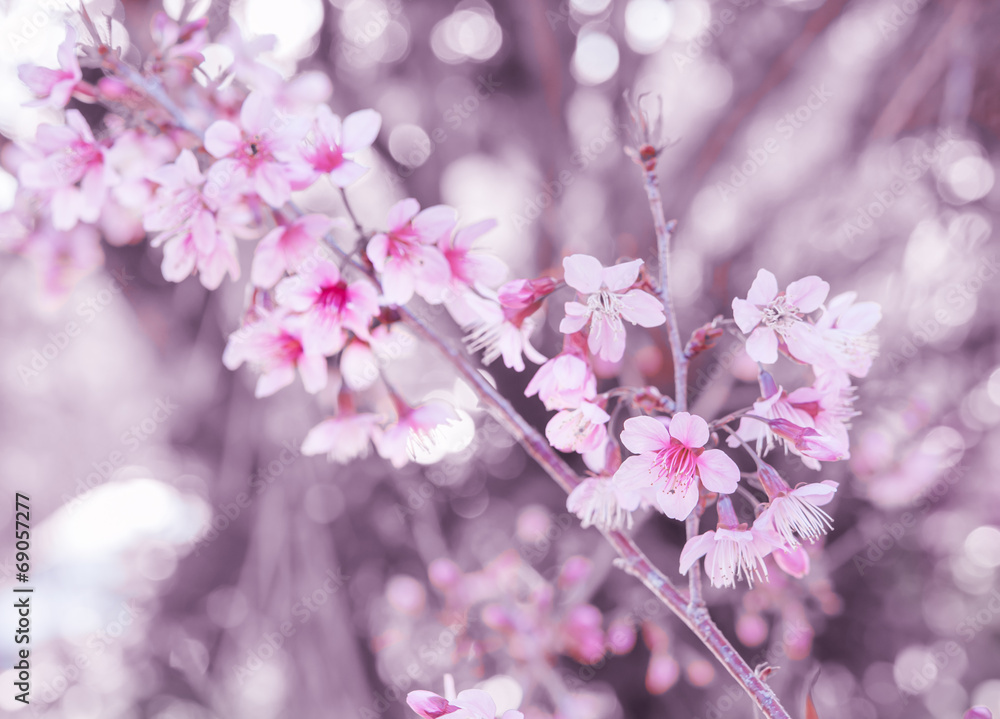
(575, 570)
(978, 712)
(793, 561)
(520, 294)
(621, 636)
(662, 673)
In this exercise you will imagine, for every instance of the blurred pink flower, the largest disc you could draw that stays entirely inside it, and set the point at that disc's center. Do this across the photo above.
(847, 328)
(343, 438)
(470, 704)
(54, 88)
(260, 151)
(414, 427)
(470, 267)
(566, 380)
(331, 307)
(406, 255)
(578, 430)
(767, 317)
(332, 144)
(794, 562)
(731, 551)
(672, 459)
(595, 502)
(609, 299)
(273, 346)
(286, 247)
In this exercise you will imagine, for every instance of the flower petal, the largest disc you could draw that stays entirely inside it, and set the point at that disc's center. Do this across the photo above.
(583, 273)
(620, 277)
(764, 288)
(718, 471)
(762, 345)
(644, 434)
(689, 429)
(696, 548)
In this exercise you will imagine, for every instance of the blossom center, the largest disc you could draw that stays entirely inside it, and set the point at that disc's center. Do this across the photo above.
(779, 314)
(677, 461)
(605, 303)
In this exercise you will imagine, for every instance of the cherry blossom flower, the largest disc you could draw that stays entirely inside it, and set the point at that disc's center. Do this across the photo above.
(795, 513)
(670, 457)
(847, 329)
(595, 502)
(343, 438)
(578, 430)
(331, 307)
(769, 317)
(566, 380)
(332, 143)
(273, 346)
(808, 442)
(287, 246)
(470, 704)
(731, 551)
(501, 331)
(414, 428)
(469, 267)
(260, 151)
(178, 47)
(406, 255)
(72, 167)
(54, 88)
(608, 300)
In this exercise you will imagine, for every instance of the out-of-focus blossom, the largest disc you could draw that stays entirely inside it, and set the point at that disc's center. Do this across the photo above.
(178, 47)
(978, 712)
(578, 430)
(414, 427)
(260, 150)
(794, 562)
(54, 88)
(566, 380)
(672, 459)
(769, 317)
(273, 346)
(343, 438)
(731, 551)
(331, 307)
(407, 257)
(332, 144)
(469, 267)
(469, 704)
(286, 247)
(608, 301)
(847, 328)
(595, 502)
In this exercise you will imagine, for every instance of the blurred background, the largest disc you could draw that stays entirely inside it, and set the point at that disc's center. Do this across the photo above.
(190, 563)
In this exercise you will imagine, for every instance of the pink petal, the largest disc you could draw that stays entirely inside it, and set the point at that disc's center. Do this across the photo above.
(583, 273)
(641, 308)
(575, 319)
(268, 262)
(313, 369)
(321, 438)
(689, 429)
(746, 314)
(467, 235)
(329, 127)
(677, 504)
(794, 562)
(819, 493)
(402, 212)
(620, 277)
(360, 130)
(435, 221)
(348, 173)
(718, 472)
(428, 704)
(808, 293)
(478, 701)
(805, 343)
(276, 379)
(222, 138)
(645, 434)
(378, 250)
(860, 318)
(607, 337)
(696, 548)
(272, 185)
(256, 114)
(764, 288)
(762, 345)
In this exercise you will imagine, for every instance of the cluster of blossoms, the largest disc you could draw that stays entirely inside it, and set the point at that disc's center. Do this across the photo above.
(219, 168)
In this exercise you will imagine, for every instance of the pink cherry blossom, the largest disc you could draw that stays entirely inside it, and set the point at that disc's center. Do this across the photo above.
(608, 300)
(500, 331)
(361, 360)
(178, 47)
(469, 266)
(809, 442)
(731, 551)
(54, 88)
(332, 143)
(406, 256)
(331, 307)
(414, 428)
(287, 246)
(847, 329)
(578, 430)
(273, 346)
(71, 165)
(470, 704)
(595, 502)
(343, 438)
(795, 513)
(260, 151)
(768, 317)
(671, 458)
(566, 380)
